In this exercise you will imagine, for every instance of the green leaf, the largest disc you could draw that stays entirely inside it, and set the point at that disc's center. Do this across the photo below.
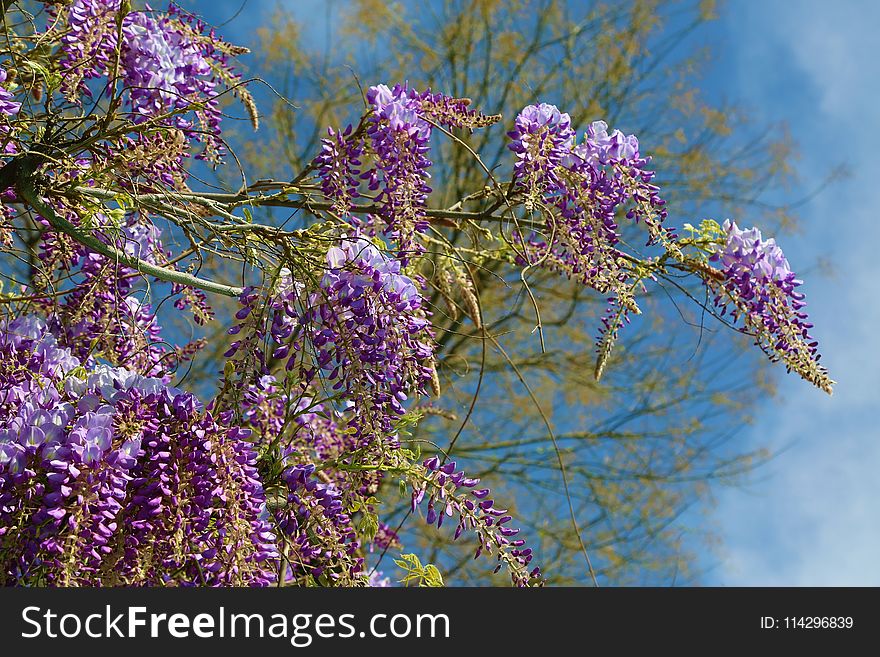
(369, 526)
(433, 578)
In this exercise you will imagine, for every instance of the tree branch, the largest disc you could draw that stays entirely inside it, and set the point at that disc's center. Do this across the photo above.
(24, 175)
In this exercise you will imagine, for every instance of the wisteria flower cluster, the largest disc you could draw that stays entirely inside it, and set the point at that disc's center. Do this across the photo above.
(89, 43)
(397, 143)
(111, 478)
(759, 288)
(9, 107)
(169, 65)
(371, 334)
(363, 329)
(399, 137)
(322, 539)
(311, 495)
(104, 314)
(579, 189)
(476, 511)
(317, 536)
(370, 346)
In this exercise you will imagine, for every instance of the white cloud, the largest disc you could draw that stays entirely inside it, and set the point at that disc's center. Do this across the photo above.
(813, 520)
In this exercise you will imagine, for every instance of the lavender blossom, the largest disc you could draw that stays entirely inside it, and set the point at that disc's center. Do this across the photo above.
(108, 477)
(542, 138)
(399, 137)
(339, 167)
(760, 288)
(89, 43)
(168, 64)
(9, 108)
(582, 188)
(370, 333)
(450, 494)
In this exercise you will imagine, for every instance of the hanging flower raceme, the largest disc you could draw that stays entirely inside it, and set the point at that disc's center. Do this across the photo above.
(359, 335)
(759, 288)
(399, 139)
(89, 43)
(9, 108)
(103, 314)
(617, 155)
(170, 66)
(363, 329)
(580, 189)
(392, 159)
(111, 478)
(168, 70)
(450, 493)
(316, 533)
(541, 139)
(320, 538)
(370, 333)
(339, 166)
(296, 426)
(600, 176)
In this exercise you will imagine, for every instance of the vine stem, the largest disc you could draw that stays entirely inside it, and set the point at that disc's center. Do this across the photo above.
(559, 459)
(25, 184)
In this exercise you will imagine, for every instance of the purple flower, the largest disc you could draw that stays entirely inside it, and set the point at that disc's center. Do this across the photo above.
(92, 435)
(8, 106)
(122, 475)
(583, 188)
(169, 65)
(167, 69)
(398, 135)
(446, 491)
(604, 147)
(339, 168)
(369, 331)
(88, 44)
(378, 580)
(759, 287)
(747, 253)
(541, 139)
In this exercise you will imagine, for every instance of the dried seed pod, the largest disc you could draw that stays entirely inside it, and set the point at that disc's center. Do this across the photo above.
(435, 378)
(444, 286)
(471, 302)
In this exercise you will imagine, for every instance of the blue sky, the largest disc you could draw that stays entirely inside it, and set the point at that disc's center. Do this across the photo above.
(811, 516)
(808, 517)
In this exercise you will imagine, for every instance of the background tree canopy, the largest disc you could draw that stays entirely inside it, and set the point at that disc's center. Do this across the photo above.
(646, 444)
(605, 443)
